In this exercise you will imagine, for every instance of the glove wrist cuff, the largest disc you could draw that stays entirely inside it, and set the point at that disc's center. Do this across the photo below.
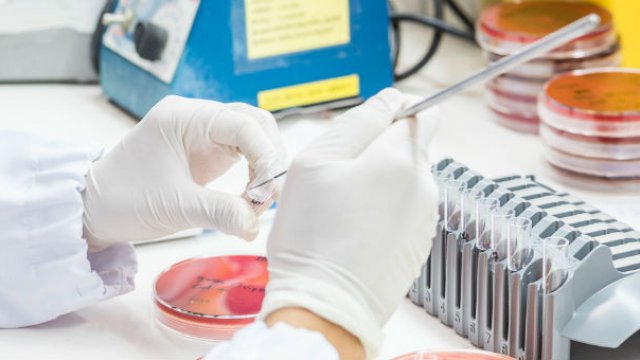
(330, 303)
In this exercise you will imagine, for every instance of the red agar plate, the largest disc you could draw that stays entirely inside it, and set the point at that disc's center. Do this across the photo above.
(505, 28)
(596, 102)
(211, 298)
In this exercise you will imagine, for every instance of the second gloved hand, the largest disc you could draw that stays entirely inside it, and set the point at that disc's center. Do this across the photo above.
(152, 183)
(356, 219)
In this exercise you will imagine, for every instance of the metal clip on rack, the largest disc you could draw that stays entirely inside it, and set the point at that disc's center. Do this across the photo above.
(519, 268)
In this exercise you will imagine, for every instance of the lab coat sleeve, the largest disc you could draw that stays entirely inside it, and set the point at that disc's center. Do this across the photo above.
(278, 342)
(45, 269)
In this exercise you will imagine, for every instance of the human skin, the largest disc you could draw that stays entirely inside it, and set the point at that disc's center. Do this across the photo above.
(347, 345)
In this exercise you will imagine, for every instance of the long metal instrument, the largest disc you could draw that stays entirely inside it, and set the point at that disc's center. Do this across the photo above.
(557, 38)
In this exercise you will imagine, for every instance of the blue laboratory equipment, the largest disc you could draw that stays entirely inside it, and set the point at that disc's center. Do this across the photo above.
(281, 55)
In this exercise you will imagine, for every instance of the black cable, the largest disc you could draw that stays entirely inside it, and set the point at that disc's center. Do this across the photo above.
(462, 16)
(438, 11)
(434, 23)
(396, 43)
(395, 31)
(96, 38)
(437, 24)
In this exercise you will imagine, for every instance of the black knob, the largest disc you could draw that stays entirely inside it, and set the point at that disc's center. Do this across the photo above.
(150, 40)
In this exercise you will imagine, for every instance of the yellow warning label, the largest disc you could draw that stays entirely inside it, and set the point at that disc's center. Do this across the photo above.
(310, 93)
(276, 27)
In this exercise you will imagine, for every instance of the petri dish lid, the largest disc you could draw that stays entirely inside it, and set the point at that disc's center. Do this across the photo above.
(221, 288)
(606, 95)
(453, 355)
(602, 168)
(591, 146)
(545, 69)
(504, 28)
(521, 123)
(512, 103)
(520, 86)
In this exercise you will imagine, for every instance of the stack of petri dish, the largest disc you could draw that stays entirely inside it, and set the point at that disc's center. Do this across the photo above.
(503, 29)
(590, 122)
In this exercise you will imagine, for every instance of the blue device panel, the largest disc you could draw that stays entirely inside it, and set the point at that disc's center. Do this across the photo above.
(215, 65)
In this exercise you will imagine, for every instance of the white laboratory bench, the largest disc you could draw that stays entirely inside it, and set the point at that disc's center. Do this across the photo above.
(123, 327)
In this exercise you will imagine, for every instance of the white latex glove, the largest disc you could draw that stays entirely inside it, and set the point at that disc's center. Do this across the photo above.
(356, 219)
(152, 183)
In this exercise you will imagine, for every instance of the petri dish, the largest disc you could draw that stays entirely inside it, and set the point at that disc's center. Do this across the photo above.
(453, 355)
(591, 146)
(596, 102)
(520, 123)
(516, 85)
(545, 69)
(603, 168)
(505, 28)
(512, 103)
(210, 298)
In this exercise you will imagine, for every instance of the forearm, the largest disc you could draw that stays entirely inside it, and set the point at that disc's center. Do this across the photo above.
(41, 180)
(347, 345)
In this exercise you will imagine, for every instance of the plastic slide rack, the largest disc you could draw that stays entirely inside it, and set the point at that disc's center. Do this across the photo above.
(521, 269)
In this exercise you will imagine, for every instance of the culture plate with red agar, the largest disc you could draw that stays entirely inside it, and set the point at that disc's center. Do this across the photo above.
(210, 298)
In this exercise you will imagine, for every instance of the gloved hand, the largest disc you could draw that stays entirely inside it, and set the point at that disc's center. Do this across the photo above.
(152, 183)
(356, 219)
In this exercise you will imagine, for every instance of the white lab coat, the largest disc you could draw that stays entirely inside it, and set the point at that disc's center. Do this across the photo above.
(46, 271)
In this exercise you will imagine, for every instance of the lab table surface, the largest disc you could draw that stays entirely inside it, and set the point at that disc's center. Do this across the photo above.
(124, 327)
